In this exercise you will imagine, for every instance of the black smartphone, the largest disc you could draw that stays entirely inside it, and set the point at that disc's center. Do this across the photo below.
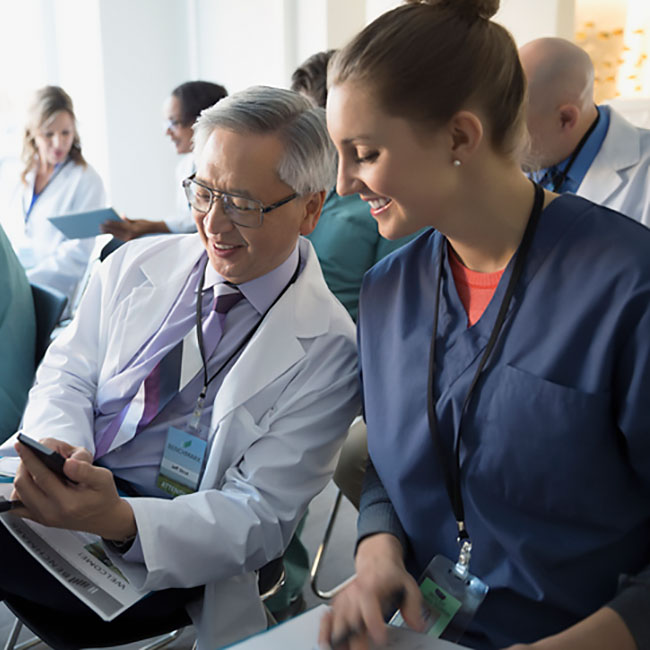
(6, 506)
(50, 458)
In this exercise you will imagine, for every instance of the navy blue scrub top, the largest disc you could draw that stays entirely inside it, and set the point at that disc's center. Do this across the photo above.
(555, 453)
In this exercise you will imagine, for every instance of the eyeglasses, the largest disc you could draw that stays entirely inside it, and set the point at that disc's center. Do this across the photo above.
(171, 124)
(242, 211)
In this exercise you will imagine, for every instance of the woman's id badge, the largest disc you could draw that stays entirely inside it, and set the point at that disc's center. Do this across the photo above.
(180, 469)
(451, 595)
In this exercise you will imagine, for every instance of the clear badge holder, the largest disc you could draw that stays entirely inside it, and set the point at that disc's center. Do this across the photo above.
(195, 421)
(451, 595)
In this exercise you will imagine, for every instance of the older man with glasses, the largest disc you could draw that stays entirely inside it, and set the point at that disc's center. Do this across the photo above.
(227, 342)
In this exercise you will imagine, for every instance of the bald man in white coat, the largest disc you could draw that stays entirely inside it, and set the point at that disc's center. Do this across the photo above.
(577, 146)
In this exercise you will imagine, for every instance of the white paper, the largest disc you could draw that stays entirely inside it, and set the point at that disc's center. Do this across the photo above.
(9, 465)
(79, 562)
(301, 633)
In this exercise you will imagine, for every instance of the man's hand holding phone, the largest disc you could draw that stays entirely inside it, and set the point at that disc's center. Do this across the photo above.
(50, 457)
(70, 493)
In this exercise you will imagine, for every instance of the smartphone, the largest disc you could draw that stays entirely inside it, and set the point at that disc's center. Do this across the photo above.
(50, 458)
(6, 506)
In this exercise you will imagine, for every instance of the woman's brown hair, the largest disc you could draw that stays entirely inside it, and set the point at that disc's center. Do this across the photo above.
(428, 59)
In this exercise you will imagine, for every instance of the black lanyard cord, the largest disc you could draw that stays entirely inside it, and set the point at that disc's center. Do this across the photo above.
(562, 176)
(246, 339)
(452, 474)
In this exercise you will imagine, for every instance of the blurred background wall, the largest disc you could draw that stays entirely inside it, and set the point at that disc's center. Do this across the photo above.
(119, 59)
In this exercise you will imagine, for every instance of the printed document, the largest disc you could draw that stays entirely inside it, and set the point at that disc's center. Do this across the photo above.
(79, 561)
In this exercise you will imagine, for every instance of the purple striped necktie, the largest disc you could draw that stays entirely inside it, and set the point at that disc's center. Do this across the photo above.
(170, 375)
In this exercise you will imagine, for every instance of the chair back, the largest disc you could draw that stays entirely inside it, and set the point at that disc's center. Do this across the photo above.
(112, 245)
(351, 466)
(48, 306)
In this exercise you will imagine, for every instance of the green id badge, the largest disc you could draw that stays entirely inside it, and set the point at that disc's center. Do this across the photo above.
(451, 595)
(180, 469)
(441, 607)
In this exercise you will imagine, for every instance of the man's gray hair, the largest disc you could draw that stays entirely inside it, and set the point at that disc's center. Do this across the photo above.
(309, 164)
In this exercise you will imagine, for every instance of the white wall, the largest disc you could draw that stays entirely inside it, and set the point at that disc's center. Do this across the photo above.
(77, 68)
(145, 55)
(525, 19)
(242, 42)
(311, 31)
(530, 19)
(119, 59)
(344, 19)
(150, 46)
(20, 22)
(375, 8)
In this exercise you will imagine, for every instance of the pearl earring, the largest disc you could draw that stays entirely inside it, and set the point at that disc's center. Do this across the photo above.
(456, 162)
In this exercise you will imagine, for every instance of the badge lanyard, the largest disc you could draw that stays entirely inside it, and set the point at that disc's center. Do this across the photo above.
(196, 416)
(185, 450)
(451, 594)
(451, 472)
(562, 176)
(35, 197)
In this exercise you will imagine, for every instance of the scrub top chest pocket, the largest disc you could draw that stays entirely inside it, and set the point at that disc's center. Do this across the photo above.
(538, 440)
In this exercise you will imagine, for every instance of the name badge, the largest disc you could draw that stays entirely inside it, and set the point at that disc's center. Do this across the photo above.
(451, 598)
(180, 469)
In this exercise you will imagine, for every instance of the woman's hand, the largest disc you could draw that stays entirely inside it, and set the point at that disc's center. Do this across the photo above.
(91, 505)
(128, 229)
(357, 611)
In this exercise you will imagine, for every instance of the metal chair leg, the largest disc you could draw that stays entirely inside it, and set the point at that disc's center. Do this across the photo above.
(17, 627)
(162, 641)
(30, 643)
(318, 558)
(270, 619)
(13, 637)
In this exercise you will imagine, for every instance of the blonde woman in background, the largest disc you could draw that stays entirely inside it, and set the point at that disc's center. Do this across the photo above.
(55, 179)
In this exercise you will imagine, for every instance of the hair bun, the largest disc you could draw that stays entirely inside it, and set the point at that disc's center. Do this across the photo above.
(471, 9)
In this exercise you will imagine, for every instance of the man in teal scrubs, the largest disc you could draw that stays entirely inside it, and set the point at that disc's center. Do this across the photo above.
(17, 339)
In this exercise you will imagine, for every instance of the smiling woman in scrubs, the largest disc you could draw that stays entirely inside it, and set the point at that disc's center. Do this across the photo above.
(55, 180)
(505, 355)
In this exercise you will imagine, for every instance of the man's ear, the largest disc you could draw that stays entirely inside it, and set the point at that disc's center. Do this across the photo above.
(466, 132)
(313, 206)
(568, 116)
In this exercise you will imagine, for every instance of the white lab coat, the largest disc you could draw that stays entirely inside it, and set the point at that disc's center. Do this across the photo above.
(47, 255)
(619, 176)
(278, 421)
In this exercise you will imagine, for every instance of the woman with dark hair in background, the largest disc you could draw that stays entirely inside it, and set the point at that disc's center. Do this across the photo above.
(181, 109)
(55, 180)
(504, 354)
